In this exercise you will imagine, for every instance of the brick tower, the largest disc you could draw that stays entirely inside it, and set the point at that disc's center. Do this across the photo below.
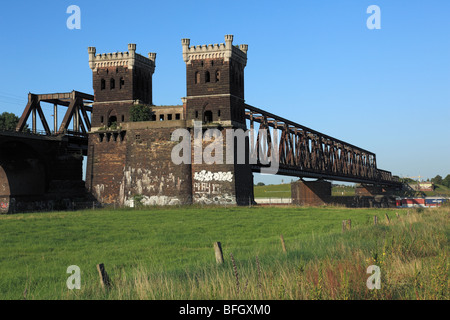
(215, 98)
(132, 160)
(119, 80)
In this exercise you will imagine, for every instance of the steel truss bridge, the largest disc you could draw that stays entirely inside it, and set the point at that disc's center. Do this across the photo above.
(303, 152)
(307, 153)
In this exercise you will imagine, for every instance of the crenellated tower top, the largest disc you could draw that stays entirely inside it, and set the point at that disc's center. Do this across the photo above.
(121, 76)
(128, 59)
(223, 50)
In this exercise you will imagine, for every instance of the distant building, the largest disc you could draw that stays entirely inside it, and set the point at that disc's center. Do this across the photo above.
(422, 186)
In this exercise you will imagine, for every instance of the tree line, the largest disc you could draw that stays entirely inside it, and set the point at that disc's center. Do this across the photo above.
(442, 181)
(8, 121)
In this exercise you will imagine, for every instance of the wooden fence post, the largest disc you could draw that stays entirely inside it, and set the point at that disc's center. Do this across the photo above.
(283, 244)
(346, 225)
(375, 220)
(387, 218)
(219, 253)
(104, 279)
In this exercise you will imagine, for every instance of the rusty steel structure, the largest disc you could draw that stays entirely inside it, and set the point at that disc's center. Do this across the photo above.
(78, 112)
(77, 104)
(307, 153)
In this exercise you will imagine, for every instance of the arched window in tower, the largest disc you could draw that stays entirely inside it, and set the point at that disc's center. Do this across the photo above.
(197, 77)
(112, 84)
(122, 83)
(103, 84)
(208, 118)
(112, 121)
(217, 75)
(207, 76)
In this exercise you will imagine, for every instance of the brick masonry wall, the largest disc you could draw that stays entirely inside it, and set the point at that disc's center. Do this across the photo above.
(225, 77)
(102, 112)
(127, 84)
(4, 184)
(31, 169)
(223, 109)
(140, 165)
(149, 169)
(230, 82)
(225, 183)
(120, 92)
(106, 163)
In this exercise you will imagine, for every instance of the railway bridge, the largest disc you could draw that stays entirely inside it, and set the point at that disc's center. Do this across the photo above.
(129, 159)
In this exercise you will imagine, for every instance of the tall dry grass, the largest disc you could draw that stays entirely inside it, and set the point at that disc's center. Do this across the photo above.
(411, 250)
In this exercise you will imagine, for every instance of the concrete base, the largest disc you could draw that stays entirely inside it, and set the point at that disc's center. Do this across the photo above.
(62, 195)
(310, 193)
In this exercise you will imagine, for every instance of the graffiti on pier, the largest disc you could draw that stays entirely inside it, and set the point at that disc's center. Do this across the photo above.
(209, 188)
(4, 206)
(206, 176)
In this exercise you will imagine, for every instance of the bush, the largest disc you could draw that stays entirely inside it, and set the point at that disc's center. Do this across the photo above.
(140, 112)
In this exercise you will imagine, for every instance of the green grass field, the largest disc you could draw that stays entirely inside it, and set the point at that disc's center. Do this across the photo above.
(273, 191)
(167, 253)
(439, 191)
(284, 191)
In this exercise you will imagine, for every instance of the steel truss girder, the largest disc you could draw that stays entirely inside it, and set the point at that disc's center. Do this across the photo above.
(77, 112)
(305, 152)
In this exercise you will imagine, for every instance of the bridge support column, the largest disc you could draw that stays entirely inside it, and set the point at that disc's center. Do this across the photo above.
(369, 190)
(310, 193)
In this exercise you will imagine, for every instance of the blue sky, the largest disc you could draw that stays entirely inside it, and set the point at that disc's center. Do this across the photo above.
(313, 62)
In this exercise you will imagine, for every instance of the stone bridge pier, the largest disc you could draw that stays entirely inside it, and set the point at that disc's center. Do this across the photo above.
(311, 193)
(37, 172)
(318, 193)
